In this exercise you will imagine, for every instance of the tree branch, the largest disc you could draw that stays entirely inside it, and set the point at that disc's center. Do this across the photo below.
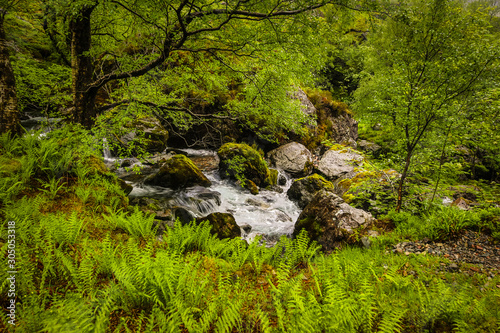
(163, 107)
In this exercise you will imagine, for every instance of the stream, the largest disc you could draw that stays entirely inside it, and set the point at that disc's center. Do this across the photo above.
(269, 214)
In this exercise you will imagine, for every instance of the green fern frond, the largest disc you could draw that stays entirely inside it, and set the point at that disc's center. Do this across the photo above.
(391, 321)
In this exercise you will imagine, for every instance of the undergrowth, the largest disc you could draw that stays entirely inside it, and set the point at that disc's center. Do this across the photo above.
(87, 263)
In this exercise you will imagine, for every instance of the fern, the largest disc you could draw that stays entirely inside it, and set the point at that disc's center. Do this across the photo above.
(137, 224)
(52, 187)
(69, 314)
(104, 305)
(263, 321)
(391, 321)
(63, 229)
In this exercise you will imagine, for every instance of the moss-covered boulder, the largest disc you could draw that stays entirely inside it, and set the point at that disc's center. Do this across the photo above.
(223, 224)
(243, 163)
(96, 166)
(372, 191)
(145, 133)
(303, 190)
(330, 221)
(178, 172)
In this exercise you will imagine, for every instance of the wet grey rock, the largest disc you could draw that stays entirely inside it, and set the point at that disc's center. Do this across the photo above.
(335, 164)
(281, 180)
(257, 203)
(246, 227)
(293, 157)
(184, 215)
(303, 190)
(282, 217)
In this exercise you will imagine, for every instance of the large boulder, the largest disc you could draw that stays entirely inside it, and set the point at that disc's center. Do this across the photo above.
(293, 157)
(223, 224)
(372, 191)
(245, 164)
(153, 136)
(306, 105)
(335, 164)
(303, 190)
(329, 220)
(344, 129)
(178, 172)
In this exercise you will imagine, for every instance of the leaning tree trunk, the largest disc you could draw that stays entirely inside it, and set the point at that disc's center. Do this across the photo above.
(9, 115)
(84, 95)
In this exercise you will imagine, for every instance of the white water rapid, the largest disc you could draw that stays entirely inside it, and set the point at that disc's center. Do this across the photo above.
(269, 213)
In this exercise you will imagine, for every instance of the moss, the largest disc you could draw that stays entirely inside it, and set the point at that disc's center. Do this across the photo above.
(97, 166)
(319, 181)
(369, 191)
(252, 165)
(254, 189)
(127, 188)
(360, 178)
(223, 224)
(178, 172)
(310, 224)
(273, 177)
(9, 166)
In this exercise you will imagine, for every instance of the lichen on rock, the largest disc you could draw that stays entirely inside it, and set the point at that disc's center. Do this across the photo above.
(330, 221)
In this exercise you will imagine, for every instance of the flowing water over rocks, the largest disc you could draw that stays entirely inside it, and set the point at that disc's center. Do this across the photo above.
(269, 213)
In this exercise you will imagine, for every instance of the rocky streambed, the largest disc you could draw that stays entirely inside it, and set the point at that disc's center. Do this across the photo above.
(470, 247)
(280, 196)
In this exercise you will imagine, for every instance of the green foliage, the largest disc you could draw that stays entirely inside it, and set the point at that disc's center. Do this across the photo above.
(429, 62)
(444, 222)
(244, 163)
(137, 224)
(236, 168)
(63, 229)
(41, 86)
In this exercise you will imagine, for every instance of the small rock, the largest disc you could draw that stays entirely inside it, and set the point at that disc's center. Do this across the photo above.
(366, 242)
(246, 227)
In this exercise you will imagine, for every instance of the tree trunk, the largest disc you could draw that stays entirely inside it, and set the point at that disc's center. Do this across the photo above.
(402, 180)
(82, 69)
(9, 114)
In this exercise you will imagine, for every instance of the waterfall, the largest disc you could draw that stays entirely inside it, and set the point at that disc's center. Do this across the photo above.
(105, 150)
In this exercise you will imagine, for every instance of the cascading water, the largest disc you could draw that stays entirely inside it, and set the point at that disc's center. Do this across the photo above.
(106, 151)
(269, 213)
